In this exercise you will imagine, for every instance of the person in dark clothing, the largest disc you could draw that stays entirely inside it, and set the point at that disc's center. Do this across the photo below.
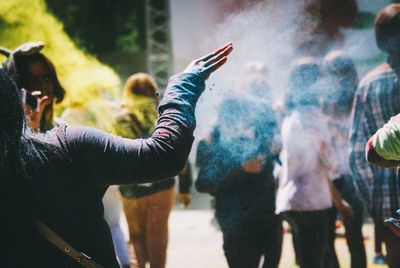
(235, 166)
(341, 78)
(379, 257)
(59, 178)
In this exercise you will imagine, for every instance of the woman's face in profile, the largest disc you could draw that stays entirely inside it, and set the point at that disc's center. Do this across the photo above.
(40, 80)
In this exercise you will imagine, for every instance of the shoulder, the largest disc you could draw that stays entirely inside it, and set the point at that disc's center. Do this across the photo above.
(49, 146)
(53, 136)
(382, 72)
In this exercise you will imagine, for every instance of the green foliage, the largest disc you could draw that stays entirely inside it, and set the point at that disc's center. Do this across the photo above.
(100, 26)
(127, 43)
(83, 76)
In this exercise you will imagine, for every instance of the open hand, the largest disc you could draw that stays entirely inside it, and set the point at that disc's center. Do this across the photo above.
(34, 116)
(206, 65)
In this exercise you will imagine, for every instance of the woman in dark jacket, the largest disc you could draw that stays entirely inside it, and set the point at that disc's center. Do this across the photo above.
(59, 178)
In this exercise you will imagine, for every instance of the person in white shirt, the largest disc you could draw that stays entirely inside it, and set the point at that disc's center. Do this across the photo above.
(303, 195)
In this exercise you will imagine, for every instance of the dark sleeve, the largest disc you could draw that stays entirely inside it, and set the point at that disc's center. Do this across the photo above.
(109, 159)
(185, 179)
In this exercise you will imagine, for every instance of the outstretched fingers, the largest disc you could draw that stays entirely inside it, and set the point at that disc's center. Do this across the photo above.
(214, 53)
(212, 67)
(219, 56)
(208, 64)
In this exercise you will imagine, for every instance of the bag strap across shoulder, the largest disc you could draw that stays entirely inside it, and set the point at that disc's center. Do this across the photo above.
(66, 248)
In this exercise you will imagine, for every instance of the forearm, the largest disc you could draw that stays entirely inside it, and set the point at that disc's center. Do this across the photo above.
(169, 146)
(373, 157)
(114, 160)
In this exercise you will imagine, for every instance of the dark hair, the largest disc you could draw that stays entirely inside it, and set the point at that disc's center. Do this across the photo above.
(19, 155)
(20, 71)
(387, 29)
(140, 84)
(338, 66)
(22, 65)
(12, 125)
(304, 73)
(17, 230)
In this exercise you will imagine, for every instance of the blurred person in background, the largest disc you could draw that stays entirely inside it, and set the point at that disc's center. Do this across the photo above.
(147, 206)
(35, 73)
(116, 219)
(305, 194)
(236, 165)
(340, 76)
(376, 101)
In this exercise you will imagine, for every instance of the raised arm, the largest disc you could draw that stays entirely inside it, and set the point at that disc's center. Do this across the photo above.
(110, 159)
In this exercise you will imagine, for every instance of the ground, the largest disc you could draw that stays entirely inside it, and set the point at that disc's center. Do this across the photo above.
(196, 243)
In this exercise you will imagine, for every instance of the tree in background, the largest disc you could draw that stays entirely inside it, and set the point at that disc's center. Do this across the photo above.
(83, 76)
(114, 31)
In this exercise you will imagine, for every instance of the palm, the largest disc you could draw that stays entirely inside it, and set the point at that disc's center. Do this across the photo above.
(206, 65)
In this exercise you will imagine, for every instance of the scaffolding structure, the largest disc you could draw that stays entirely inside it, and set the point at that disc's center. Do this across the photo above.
(158, 40)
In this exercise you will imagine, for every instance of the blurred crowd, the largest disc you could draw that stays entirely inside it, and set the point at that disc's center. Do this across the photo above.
(301, 160)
